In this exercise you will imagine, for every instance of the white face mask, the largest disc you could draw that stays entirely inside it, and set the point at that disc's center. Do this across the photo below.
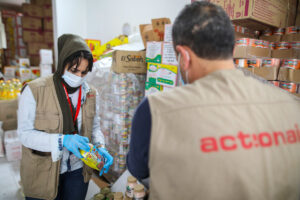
(73, 80)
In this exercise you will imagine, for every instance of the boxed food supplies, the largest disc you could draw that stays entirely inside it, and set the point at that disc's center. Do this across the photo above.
(129, 62)
(24, 62)
(47, 9)
(48, 36)
(255, 14)
(291, 37)
(48, 24)
(250, 52)
(33, 36)
(147, 33)
(159, 28)
(154, 52)
(291, 13)
(169, 56)
(286, 74)
(8, 110)
(31, 23)
(46, 56)
(34, 60)
(24, 74)
(122, 39)
(10, 72)
(271, 38)
(161, 74)
(35, 72)
(286, 53)
(168, 33)
(151, 88)
(41, 2)
(34, 48)
(298, 16)
(32, 10)
(13, 145)
(45, 70)
(268, 73)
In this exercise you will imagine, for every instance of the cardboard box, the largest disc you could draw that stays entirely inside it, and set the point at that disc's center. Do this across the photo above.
(31, 23)
(268, 73)
(48, 24)
(129, 62)
(290, 75)
(34, 60)
(48, 36)
(100, 181)
(291, 37)
(168, 33)
(286, 54)
(24, 62)
(45, 70)
(47, 11)
(34, 48)
(13, 145)
(298, 15)
(159, 28)
(147, 33)
(24, 74)
(46, 56)
(291, 13)
(272, 38)
(41, 2)
(9, 73)
(33, 36)
(255, 14)
(243, 35)
(154, 52)
(8, 110)
(35, 72)
(160, 74)
(32, 10)
(251, 52)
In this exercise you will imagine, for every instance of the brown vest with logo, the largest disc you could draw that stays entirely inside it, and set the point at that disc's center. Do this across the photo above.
(39, 175)
(226, 136)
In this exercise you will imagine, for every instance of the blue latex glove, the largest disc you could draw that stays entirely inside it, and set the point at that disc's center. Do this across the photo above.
(108, 160)
(75, 142)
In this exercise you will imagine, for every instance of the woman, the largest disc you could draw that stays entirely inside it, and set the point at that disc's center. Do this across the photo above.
(58, 115)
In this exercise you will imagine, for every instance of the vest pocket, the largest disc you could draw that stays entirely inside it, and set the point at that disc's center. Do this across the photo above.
(48, 122)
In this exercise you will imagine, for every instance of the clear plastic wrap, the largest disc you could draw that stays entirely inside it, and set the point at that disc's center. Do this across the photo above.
(119, 94)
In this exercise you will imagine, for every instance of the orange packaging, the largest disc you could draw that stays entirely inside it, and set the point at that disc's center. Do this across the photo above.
(272, 62)
(242, 42)
(282, 45)
(272, 45)
(290, 87)
(252, 42)
(279, 31)
(291, 30)
(267, 33)
(295, 45)
(275, 83)
(254, 63)
(259, 43)
(291, 63)
(241, 63)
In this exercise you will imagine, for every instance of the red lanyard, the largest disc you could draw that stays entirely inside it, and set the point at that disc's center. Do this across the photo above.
(78, 104)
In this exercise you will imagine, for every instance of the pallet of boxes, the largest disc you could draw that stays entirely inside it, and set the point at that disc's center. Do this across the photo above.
(37, 28)
(272, 52)
(162, 66)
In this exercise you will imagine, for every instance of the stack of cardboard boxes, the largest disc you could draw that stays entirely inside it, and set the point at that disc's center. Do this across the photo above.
(37, 28)
(162, 69)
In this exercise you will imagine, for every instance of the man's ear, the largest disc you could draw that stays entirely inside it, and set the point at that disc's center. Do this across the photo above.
(185, 57)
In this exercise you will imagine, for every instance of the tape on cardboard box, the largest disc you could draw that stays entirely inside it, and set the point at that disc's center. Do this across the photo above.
(251, 52)
(286, 53)
(268, 73)
(290, 75)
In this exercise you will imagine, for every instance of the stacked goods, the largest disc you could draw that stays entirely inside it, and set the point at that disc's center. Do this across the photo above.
(8, 110)
(161, 60)
(13, 146)
(94, 46)
(9, 20)
(37, 28)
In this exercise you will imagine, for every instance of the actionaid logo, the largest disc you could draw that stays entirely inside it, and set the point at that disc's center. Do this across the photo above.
(249, 141)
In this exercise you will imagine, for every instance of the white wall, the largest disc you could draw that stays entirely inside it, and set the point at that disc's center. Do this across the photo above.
(71, 17)
(105, 18)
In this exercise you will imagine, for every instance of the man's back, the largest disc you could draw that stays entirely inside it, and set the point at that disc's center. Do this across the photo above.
(226, 136)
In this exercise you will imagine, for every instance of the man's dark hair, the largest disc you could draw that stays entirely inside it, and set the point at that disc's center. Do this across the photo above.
(206, 29)
(76, 58)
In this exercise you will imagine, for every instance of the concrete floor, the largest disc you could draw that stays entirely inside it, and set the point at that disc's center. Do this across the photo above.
(10, 177)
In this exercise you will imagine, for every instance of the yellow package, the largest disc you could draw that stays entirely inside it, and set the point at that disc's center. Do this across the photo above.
(92, 158)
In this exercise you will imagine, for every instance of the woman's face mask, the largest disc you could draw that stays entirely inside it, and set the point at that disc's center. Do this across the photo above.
(73, 80)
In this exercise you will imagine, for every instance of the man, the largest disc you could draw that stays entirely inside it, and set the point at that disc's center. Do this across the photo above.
(225, 135)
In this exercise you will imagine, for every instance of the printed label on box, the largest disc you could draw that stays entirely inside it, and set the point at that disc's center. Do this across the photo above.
(153, 53)
(169, 56)
(168, 33)
(151, 88)
(165, 75)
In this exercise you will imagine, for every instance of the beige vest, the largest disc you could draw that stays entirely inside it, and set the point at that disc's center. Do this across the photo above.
(39, 175)
(227, 136)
